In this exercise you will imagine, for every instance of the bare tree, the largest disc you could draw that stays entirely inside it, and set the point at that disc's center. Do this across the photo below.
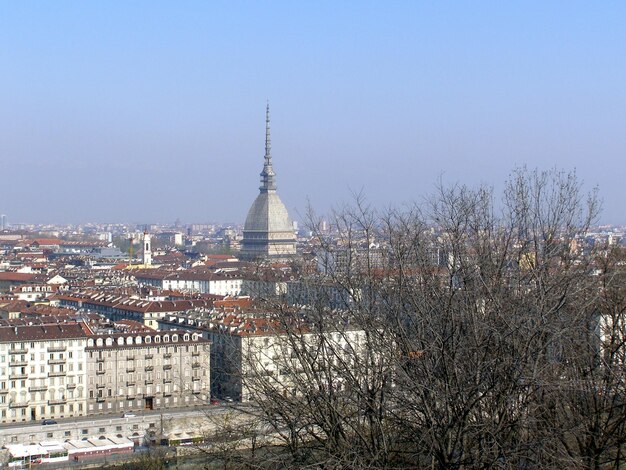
(467, 332)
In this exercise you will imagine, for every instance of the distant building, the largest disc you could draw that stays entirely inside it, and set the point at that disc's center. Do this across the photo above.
(268, 231)
(147, 249)
(202, 282)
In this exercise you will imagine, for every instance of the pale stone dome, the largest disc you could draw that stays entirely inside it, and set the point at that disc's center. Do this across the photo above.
(268, 214)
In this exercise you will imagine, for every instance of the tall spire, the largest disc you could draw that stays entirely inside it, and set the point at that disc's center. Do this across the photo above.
(268, 144)
(267, 175)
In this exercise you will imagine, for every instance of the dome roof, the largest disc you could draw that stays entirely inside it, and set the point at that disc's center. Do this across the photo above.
(268, 214)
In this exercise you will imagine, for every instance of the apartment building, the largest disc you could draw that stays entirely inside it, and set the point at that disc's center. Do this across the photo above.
(156, 370)
(249, 352)
(199, 281)
(119, 307)
(43, 371)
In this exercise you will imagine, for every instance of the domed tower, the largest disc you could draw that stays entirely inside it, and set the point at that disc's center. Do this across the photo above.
(268, 231)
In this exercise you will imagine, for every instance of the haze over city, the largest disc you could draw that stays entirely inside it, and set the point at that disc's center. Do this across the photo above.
(331, 234)
(154, 111)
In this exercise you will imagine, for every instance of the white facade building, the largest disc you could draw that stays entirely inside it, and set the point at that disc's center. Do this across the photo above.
(42, 372)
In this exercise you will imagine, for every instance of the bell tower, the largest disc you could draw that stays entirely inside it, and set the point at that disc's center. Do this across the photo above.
(147, 248)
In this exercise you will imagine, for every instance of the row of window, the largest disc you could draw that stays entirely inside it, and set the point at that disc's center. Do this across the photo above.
(40, 344)
(136, 340)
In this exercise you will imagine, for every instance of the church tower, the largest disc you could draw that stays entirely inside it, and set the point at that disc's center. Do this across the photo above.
(147, 249)
(268, 231)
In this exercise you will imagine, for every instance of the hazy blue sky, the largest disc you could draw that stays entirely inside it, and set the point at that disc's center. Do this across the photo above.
(149, 111)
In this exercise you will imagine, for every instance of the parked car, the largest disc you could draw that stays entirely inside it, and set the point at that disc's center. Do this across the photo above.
(215, 401)
(129, 414)
(48, 421)
(229, 399)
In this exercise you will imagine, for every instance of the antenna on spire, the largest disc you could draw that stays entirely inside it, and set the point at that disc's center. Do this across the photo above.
(267, 175)
(268, 145)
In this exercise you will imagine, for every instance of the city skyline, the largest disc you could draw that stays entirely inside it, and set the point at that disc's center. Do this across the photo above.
(153, 112)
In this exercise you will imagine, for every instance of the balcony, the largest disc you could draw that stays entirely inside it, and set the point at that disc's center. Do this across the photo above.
(58, 401)
(129, 370)
(130, 358)
(70, 386)
(99, 399)
(167, 355)
(196, 392)
(130, 397)
(167, 380)
(18, 363)
(58, 373)
(130, 383)
(100, 372)
(18, 351)
(97, 386)
(4, 391)
(149, 368)
(23, 404)
(149, 356)
(149, 381)
(18, 376)
(195, 379)
(167, 394)
(167, 366)
(56, 361)
(100, 359)
(196, 365)
(37, 388)
(56, 348)
(195, 354)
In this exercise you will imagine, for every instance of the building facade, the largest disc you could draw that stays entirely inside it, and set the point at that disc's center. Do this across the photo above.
(133, 371)
(43, 372)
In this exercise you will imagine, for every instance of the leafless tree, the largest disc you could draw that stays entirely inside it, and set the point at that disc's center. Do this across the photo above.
(488, 336)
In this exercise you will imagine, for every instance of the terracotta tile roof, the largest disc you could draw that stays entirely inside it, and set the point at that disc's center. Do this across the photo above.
(16, 277)
(41, 332)
(44, 241)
